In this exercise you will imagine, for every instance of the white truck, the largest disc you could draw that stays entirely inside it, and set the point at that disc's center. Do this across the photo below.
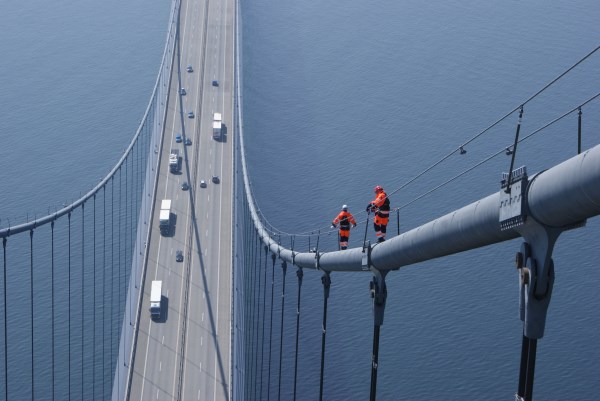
(164, 217)
(217, 125)
(174, 161)
(155, 300)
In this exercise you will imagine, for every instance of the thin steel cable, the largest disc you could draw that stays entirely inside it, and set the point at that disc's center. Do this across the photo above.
(82, 298)
(254, 298)
(112, 273)
(299, 274)
(257, 304)
(524, 138)
(69, 313)
(103, 292)
(262, 343)
(94, 304)
(284, 268)
(326, 280)
(271, 327)
(31, 295)
(52, 285)
(4, 240)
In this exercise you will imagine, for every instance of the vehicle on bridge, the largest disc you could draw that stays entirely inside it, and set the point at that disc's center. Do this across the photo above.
(217, 125)
(178, 138)
(191, 114)
(155, 299)
(189, 68)
(215, 83)
(182, 92)
(174, 161)
(179, 255)
(164, 217)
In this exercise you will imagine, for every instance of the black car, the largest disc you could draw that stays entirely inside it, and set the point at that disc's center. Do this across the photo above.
(179, 256)
(185, 186)
(215, 83)
(215, 179)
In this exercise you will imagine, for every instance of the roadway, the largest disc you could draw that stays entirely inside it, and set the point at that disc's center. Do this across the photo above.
(186, 355)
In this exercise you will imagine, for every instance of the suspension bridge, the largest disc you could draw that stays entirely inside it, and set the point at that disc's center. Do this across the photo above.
(88, 267)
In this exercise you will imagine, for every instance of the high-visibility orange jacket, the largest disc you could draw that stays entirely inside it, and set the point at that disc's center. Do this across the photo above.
(382, 203)
(345, 219)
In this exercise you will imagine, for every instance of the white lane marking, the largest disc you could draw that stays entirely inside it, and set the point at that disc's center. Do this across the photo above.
(167, 293)
(206, 235)
(202, 316)
(201, 338)
(157, 390)
(160, 366)
(163, 340)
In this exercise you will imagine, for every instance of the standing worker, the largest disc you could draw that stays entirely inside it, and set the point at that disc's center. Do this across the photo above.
(345, 218)
(381, 207)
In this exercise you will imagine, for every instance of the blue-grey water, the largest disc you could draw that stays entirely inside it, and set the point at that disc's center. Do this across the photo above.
(339, 98)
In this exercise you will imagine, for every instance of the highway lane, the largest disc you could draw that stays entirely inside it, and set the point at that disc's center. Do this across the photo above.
(197, 324)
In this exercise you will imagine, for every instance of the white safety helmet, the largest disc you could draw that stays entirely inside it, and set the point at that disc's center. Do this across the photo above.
(345, 207)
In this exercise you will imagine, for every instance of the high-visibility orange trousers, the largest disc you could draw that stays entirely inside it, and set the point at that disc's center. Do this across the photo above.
(380, 226)
(344, 235)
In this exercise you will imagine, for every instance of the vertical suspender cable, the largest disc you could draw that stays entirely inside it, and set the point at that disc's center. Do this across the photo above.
(326, 280)
(112, 271)
(82, 291)
(119, 306)
(251, 321)
(299, 274)
(69, 293)
(271, 327)
(31, 294)
(579, 131)
(103, 291)
(398, 219)
(94, 304)
(262, 343)
(52, 306)
(284, 268)
(246, 282)
(5, 327)
(257, 302)
(374, 366)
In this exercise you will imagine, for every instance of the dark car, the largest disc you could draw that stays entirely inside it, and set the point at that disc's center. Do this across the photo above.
(179, 256)
(215, 83)
(185, 186)
(188, 141)
(215, 179)
(191, 114)
(178, 138)
(202, 184)
(190, 69)
(182, 91)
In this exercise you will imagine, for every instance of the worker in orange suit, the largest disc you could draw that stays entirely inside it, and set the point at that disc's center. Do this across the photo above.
(381, 207)
(345, 218)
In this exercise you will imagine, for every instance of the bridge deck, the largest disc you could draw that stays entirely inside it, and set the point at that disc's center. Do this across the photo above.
(186, 354)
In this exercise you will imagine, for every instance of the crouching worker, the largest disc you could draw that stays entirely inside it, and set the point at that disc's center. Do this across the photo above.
(345, 218)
